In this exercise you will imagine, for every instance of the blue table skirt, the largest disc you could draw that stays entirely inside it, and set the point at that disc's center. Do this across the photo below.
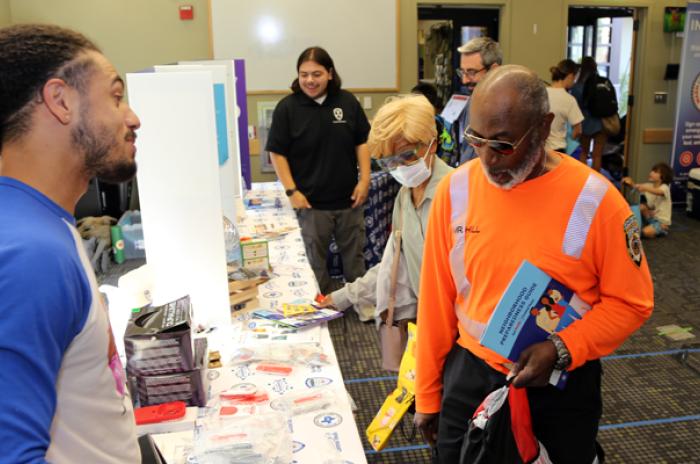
(378, 208)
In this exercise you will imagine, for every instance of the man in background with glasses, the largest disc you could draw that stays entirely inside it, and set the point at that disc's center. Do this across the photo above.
(520, 202)
(478, 56)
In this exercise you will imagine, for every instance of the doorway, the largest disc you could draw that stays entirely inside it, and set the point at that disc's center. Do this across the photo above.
(608, 34)
(441, 30)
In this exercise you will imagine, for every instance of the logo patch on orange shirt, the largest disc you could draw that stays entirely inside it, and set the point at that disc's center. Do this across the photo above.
(633, 239)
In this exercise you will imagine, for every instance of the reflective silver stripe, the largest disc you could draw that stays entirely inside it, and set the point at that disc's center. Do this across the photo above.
(582, 216)
(459, 199)
(472, 327)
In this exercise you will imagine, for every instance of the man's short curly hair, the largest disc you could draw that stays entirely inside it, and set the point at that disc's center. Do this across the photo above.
(30, 55)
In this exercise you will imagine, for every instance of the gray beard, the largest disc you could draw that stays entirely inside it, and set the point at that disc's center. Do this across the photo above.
(519, 174)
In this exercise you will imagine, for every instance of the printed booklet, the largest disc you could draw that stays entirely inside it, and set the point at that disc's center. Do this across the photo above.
(533, 307)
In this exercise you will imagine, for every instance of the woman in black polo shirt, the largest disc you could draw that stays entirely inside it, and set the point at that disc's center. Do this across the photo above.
(317, 144)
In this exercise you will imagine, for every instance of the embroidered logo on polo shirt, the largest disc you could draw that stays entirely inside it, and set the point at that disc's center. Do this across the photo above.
(633, 239)
(338, 115)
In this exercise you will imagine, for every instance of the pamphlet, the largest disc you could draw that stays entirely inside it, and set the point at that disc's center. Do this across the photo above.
(301, 320)
(454, 107)
(399, 401)
(533, 307)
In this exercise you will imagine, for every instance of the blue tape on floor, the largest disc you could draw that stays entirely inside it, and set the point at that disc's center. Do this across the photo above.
(607, 358)
(398, 449)
(668, 420)
(623, 425)
(371, 379)
(651, 353)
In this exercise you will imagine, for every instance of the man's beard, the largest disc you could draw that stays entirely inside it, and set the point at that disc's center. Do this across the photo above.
(96, 144)
(519, 174)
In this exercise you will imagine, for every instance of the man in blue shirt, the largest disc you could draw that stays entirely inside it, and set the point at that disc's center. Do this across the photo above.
(62, 121)
(478, 56)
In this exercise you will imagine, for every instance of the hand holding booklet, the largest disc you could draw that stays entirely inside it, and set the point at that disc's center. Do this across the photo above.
(533, 307)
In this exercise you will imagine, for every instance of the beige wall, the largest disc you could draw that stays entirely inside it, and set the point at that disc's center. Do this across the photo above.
(5, 19)
(135, 34)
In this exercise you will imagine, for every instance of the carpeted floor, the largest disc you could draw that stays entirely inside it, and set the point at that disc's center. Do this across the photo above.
(651, 385)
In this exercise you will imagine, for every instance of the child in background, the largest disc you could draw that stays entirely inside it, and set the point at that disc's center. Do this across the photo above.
(657, 210)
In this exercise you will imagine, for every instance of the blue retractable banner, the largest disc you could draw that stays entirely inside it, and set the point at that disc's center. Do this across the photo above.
(685, 154)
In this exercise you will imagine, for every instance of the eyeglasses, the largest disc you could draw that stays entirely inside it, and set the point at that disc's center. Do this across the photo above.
(407, 158)
(499, 146)
(471, 73)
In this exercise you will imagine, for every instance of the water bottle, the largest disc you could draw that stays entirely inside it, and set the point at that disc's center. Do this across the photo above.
(233, 243)
(117, 243)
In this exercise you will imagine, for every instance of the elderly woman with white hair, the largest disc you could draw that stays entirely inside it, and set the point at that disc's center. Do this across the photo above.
(403, 142)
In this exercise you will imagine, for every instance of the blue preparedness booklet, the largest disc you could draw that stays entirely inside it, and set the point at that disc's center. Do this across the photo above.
(533, 307)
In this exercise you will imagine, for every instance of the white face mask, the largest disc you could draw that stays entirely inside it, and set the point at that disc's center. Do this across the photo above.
(413, 175)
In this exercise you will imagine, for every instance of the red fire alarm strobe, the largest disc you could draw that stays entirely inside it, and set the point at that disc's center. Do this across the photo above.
(186, 12)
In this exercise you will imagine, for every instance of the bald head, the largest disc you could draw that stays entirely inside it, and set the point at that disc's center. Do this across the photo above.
(521, 92)
(511, 105)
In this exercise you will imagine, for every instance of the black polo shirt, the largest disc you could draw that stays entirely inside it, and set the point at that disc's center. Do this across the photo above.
(319, 143)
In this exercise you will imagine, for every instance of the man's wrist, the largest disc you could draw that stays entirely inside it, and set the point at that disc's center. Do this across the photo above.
(291, 191)
(563, 354)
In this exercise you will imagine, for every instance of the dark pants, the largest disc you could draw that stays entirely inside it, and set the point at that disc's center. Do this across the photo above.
(566, 422)
(599, 141)
(348, 228)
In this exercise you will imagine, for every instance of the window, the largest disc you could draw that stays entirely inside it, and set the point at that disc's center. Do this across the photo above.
(602, 45)
(580, 42)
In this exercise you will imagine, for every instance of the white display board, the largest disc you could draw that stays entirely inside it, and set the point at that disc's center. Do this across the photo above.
(360, 35)
(225, 128)
(179, 190)
(233, 112)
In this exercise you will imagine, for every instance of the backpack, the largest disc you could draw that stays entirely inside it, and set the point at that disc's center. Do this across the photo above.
(602, 100)
(500, 431)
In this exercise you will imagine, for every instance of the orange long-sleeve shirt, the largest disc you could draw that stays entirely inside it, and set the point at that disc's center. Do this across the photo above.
(528, 222)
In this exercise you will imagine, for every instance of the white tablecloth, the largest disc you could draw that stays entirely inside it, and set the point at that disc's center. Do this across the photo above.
(325, 436)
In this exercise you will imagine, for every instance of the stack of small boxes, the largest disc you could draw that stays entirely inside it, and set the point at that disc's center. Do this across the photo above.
(256, 254)
(163, 364)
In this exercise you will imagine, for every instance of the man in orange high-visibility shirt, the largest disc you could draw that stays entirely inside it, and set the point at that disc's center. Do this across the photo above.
(519, 202)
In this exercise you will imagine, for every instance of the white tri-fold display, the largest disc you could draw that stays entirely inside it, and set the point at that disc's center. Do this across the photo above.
(226, 129)
(180, 187)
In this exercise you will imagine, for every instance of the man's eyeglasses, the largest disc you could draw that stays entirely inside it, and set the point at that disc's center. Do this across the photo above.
(470, 73)
(406, 158)
(499, 146)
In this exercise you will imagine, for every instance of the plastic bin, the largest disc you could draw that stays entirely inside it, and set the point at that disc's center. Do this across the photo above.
(132, 231)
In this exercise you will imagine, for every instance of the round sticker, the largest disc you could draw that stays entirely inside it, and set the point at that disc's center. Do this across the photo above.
(327, 420)
(686, 159)
(314, 382)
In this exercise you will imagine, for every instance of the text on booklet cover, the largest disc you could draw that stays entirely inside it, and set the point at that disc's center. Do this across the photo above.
(533, 307)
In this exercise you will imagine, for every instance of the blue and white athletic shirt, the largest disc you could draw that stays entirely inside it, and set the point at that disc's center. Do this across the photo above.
(62, 391)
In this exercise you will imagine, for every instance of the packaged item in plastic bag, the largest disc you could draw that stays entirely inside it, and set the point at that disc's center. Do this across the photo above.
(275, 357)
(314, 400)
(257, 439)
